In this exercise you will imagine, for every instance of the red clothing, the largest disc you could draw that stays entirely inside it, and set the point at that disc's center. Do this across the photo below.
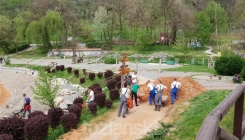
(28, 107)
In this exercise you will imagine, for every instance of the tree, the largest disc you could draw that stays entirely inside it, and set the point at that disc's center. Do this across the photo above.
(100, 21)
(44, 92)
(42, 30)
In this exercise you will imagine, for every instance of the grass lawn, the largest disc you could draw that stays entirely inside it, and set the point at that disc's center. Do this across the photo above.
(192, 68)
(34, 53)
(188, 123)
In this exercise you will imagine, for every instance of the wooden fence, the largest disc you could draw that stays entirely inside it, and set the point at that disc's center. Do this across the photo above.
(210, 129)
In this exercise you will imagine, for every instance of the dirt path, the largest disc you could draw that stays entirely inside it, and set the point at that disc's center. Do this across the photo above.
(139, 121)
(4, 95)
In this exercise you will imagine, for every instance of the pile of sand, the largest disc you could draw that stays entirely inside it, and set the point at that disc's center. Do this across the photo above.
(4, 95)
(189, 88)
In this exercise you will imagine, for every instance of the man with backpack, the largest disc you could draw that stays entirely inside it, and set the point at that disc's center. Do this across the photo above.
(27, 105)
(152, 91)
(174, 90)
(123, 100)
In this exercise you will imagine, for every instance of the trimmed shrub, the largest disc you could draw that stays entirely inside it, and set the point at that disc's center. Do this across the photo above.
(91, 76)
(111, 84)
(118, 84)
(53, 70)
(35, 113)
(13, 126)
(78, 101)
(76, 72)
(54, 115)
(229, 64)
(37, 128)
(57, 68)
(82, 80)
(62, 67)
(69, 121)
(92, 108)
(114, 94)
(84, 71)
(69, 69)
(108, 103)
(76, 109)
(108, 74)
(100, 74)
(6, 137)
(97, 89)
(118, 78)
(99, 99)
(48, 69)
(110, 60)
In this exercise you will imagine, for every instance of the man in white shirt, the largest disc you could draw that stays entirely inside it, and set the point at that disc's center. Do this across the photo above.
(134, 78)
(174, 90)
(151, 91)
(158, 97)
(90, 97)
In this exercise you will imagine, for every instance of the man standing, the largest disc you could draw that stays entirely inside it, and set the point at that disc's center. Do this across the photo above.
(151, 91)
(158, 98)
(27, 105)
(134, 78)
(135, 88)
(175, 88)
(123, 100)
(90, 97)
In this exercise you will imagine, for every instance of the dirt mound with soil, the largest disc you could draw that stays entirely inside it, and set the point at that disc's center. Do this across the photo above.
(4, 95)
(189, 88)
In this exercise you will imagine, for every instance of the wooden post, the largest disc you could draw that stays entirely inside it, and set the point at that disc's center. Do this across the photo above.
(238, 114)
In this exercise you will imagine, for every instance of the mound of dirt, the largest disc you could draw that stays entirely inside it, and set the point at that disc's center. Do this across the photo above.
(4, 95)
(189, 88)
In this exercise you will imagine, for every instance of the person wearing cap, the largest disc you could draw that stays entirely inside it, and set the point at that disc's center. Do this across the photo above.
(158, 97)
(175, 85)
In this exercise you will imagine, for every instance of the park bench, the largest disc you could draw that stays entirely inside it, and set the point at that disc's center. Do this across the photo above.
(144, 61)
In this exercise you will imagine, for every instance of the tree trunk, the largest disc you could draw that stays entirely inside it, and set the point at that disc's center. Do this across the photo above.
(65, 38)
(120, 28)
(74, 57)
(174, 33)
(46, 41)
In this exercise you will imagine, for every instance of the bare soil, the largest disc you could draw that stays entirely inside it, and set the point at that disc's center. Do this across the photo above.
(4, 95)
(141, 119)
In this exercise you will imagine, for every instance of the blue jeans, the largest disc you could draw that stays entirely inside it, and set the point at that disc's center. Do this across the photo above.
(24, 112)
(174, 95)
(151, 97)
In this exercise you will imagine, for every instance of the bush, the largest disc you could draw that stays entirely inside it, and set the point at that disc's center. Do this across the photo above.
(82, 80)
(76, 109)
(84, 71)
(54, 115)
(62, 67)
(53, 70)
(108, 74)
(111, 84)
(229, 64)
(118, 84)
(118, 78)
(97, 89)
(99, 99)
(13, 126)
(110, 60)
(7, 61)
(69, 69)
(243, 73)
(57, 68)
(93, 108)
(76, 72)
(91, 76)
(78, 101)
(108, 103)
(69, 121)
(48, 69)
(37, 128)
(114, 94)
(100, 74)
(6, 137)
(35, 113)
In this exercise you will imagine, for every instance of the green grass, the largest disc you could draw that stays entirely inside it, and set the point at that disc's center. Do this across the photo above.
(35, 54)
(222, 39)
(158, 133)
(192, 68)
(189, 122)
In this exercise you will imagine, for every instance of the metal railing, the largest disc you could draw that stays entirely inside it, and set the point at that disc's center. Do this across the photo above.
(210, 129)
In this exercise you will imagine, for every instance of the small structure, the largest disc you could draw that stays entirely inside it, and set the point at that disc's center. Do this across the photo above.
(165, 39)
(137, 56)
(160, 56)
(79, 52)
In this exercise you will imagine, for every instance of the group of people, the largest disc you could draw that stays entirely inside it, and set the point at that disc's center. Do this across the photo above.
(129, 90)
